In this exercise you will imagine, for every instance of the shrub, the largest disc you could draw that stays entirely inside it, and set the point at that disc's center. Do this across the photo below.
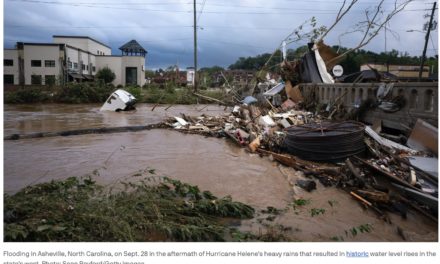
(26, 95)
(106, 74)
(50, 80)
(135, 91)
(84, 93)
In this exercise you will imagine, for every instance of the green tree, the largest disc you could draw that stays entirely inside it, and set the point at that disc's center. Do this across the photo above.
(257, 62)
(50, 80)
(106, 74)
(149, 74)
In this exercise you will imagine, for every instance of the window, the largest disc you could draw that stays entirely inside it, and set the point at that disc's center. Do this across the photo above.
(131, 75)
(83, 67)
(49, 63)
(87, 67)
(36, 79)
(75, 65)
(49, 80)
(35, 63)
(8, 79)
(94, 68)
(8, 62)
(69, 63)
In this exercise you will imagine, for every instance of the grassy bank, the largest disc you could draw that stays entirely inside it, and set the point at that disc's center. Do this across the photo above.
(80, 210)
(98, 93)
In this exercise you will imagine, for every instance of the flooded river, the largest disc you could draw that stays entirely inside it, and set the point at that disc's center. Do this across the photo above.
(212, 164)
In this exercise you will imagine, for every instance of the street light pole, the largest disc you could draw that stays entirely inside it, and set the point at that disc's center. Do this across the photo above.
(426, 41)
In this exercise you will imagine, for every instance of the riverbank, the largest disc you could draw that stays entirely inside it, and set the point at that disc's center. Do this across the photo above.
(77, 93)
(152, 209)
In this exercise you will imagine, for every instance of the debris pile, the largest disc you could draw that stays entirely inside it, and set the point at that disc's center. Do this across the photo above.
(389, 182)
(381, 174)
(247, 125)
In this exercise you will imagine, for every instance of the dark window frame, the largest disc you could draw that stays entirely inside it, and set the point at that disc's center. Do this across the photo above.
(36, 79)
(8, 62)
(49, 63)
(47, 77)
(35, 64)
(7, 77)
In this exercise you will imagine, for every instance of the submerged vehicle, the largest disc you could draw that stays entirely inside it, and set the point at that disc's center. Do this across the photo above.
(119, 100)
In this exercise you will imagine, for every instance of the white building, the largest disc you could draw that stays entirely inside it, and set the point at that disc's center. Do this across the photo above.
(190, 74)
(72, 58)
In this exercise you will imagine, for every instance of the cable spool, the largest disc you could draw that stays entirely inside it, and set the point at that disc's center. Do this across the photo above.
(325, 141)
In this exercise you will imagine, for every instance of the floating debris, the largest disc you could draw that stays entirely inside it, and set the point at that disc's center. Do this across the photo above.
(119, 100)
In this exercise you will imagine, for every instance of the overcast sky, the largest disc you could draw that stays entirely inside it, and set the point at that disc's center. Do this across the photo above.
(228, 29)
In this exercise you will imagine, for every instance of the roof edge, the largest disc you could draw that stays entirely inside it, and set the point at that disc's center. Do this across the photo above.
(82, 37)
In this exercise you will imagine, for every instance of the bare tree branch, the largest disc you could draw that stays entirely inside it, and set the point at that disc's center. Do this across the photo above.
(374, 24)
(341, 14)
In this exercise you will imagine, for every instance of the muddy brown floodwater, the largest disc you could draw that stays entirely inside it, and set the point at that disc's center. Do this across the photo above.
(212, 164)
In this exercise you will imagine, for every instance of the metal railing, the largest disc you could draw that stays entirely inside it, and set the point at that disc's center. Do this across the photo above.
(421, 100)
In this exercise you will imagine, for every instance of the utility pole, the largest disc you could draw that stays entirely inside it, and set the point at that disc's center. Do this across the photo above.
(195, 47)
(426, 41)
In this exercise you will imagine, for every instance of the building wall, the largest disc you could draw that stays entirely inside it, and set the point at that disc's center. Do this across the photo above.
(85, 44)
(92, 61)
(190, 72)
(72, 56)
(42, 53)
(118, 65)
(134, 61)
(81, 43)
(79, 51)
(114, 63)
(94, 48)
(12, 54)
(84, 60)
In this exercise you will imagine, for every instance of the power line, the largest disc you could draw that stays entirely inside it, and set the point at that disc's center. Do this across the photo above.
(94, 27)
(432, 43)
(298, 10)
(164, 27)
(118, 2)
(201, 11)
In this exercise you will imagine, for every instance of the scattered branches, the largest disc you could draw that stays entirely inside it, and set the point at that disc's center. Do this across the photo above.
(341, 13)
(373, 23)
(80, 210)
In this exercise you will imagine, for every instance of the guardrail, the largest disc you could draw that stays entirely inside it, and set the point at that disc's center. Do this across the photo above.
(421, 100)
